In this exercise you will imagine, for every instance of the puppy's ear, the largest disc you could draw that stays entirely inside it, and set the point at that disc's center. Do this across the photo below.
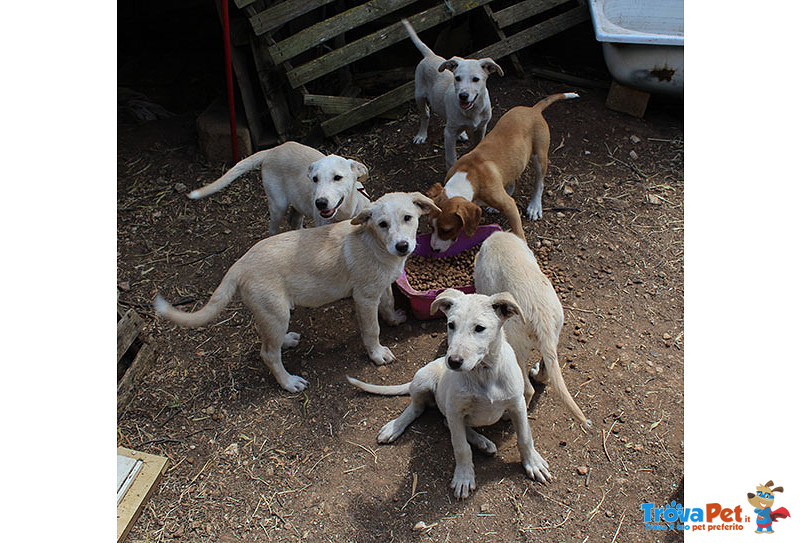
(778, 489)
(769, 483)
(750, 495)
(359, 170)
(435, 190)
(506, 306)
(426, 204)
(451, 64)
(470, 215)
(362, 217)
(445, 300)
(490, 66)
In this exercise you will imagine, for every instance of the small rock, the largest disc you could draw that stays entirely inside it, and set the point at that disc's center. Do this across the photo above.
(583, 470)
(568, 190)
(419, 526)
(633, 155)
(666, 336)
(180, 187)
(609, 514)
(124, 286)
(485, 508)
(190, 459)
(635, 139)
(232, 449)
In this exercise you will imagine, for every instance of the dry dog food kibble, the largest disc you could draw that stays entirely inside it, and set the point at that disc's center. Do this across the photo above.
(434, 273)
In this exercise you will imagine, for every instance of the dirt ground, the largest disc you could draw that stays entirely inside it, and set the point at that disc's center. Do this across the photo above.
(251, 462)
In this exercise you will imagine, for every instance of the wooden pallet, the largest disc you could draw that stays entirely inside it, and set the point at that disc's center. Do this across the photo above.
(302, 60)
(139, 474)
(135, 355)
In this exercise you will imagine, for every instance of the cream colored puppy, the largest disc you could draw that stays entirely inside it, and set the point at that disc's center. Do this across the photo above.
(505, 263)
(315, 267)
(301, 181)
(472, 385)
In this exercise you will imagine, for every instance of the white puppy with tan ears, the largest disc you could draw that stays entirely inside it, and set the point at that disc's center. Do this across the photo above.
(472, 385)
(505, 263)
(454, 89)
(301, 181)
(317, 266)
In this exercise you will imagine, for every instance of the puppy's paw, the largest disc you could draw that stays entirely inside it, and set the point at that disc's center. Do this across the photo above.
(291, 340)
(463, 137)
(382, 355)
(397, 317)
(536, 468)
(463, 482)
(420, 139)
(390, 431)
(485, 445)
(295, 384)
(534, 211)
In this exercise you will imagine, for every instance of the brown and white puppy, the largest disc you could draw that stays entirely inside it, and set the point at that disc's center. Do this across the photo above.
(487, 175)
(318, 266)
(505, 263)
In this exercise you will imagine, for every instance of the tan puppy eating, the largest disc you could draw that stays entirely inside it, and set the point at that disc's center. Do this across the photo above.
(487, 175)
(317, 266)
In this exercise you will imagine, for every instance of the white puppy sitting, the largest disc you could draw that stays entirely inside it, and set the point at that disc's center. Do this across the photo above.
(301, 181)
(472, 385)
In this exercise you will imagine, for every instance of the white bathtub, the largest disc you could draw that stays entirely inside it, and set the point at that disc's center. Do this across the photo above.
(642, 42)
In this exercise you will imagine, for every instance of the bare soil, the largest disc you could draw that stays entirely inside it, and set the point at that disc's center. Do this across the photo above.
(251, 462)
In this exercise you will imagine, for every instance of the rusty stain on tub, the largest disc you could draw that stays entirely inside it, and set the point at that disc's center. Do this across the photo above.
(663, 74)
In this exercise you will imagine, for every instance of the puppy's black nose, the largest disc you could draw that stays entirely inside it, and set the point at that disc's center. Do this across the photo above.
(402, 247)
(454, 362)
(463, 96)
(321, 203)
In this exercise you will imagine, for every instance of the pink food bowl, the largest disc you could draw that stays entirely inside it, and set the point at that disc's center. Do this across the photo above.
(421, 301)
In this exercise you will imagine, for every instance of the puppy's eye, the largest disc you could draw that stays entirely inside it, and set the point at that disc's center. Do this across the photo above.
(476, 79)
(458, 78)
(314, 179)
(480, 328)
(337, 177)
(383, 224)
(407, 218)
(451, 325)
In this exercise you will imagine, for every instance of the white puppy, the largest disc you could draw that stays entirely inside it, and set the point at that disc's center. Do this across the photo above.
(472, 385)
(505, 263)
(317, 266)
(301, 181)
(454, 89)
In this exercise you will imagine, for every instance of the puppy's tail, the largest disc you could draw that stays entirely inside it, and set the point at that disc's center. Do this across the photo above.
(393, 390)
(253, 162)
(221, 298)
(424, 49)
(553, 369)
(547, 100)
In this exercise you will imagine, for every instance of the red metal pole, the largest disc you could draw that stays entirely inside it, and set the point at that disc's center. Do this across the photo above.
(229, 78)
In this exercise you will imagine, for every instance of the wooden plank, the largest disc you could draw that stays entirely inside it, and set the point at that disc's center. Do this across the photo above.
(280, 14)
(378, 40)
(334, 26)
(337, 105)
(369, 110)
(534, 34)
(128, 328)
(139, 367)
(276, 100)
(140, 490)
(523, 10)
(502, 35)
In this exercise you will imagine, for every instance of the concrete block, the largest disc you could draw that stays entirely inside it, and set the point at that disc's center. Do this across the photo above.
(627, 100)
(214, 131)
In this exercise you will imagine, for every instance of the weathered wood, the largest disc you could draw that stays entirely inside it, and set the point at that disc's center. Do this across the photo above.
(523, 10)
(369, 110)
(334, 26)
(502, 35)
(337, 105)
(568, 78)
(273, 94)
(280, 14)
(378, 40)
(535, 34)
(140, 490)
(139, 367)
(128, 327)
